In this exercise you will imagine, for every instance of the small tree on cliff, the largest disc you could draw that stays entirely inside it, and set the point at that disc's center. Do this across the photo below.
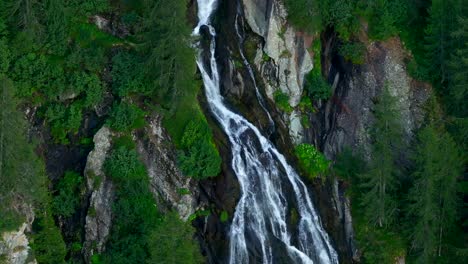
(379, 182)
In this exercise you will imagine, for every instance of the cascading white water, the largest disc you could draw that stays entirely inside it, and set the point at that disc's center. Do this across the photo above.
(270, 188)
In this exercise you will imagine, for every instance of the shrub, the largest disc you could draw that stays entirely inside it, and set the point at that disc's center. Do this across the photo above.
(123, 165)
(125, 117)
(282, 101)
(316, 86)
(68, 198)
(172, 242)
(312, 162)
(47, 242)
(353, 51)
(199, 157)
(128, 76)
(64, 120)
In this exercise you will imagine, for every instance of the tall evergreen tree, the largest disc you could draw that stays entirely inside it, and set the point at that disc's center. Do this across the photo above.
(438, 42)
(380, 181)
(458, 66)
(433, 197)
(171, 60)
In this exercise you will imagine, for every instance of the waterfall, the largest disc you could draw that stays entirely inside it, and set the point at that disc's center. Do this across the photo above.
(270, 188)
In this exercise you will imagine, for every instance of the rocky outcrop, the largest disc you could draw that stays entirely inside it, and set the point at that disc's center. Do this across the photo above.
(345, 119)
(172, 189)
(14, 248)
(283, 44)
(99, 217)
(14, 245)
(288, 58)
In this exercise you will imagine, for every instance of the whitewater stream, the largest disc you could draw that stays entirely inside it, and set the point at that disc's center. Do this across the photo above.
(271, 190)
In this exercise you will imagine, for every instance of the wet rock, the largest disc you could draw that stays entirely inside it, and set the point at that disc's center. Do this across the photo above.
(282, 43)
(99, 217)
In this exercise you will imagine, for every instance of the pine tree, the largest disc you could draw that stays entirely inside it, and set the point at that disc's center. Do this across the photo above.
(170, 58)
(379, 183)
(439, 44)
(433, 197)
(458, 66)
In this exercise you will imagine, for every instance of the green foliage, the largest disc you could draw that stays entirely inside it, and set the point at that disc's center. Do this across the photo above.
(353, 51)
(128, 75)
(124, 166)
(21, 172)
(124, 117)
(311, 161)
(5, 56)
(224, 217)
(304, 14)
(433, 198)
(316, 86)
(458, 68)
(68, 199)
(47, 242)
(134, 209)
(380, 181)
(166, 45)
(63, 120)
(172, 242)
(199, 157)
(282, 101)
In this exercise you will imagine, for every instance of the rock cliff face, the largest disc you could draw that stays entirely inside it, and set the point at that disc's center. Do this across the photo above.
(171, 188)
(99, 216)
(281, 58)
(347, 117)
(14, 245)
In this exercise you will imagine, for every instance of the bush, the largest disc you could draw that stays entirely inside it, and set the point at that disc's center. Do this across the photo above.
(64, 120)
(128, 76)
(68, 199)
(172, 241)
(353, 51)
(125, 117)
(199, 157)
(316, 86)
(282, 101)
(47, 242)
(123, 165)
(135, 213)
(312, 162)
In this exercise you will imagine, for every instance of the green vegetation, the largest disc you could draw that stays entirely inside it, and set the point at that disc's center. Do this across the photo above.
(312, 162)
(353, 51)
(139, 233)
(425, 204)
(315, 85)
(55, 60)
(46, 240)
(433, 198)
(379, 181)
(68, 199)
(24, 181)
(125, 117)
(172, 242)
(199, 157)
(282, 101)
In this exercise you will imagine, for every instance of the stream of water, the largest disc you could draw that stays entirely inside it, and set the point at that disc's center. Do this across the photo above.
(271, 191)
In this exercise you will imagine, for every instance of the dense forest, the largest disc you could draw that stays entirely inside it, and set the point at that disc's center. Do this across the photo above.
(58, 69)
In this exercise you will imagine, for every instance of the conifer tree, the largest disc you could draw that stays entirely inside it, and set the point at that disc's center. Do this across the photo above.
(433, 197)
(379, 182)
